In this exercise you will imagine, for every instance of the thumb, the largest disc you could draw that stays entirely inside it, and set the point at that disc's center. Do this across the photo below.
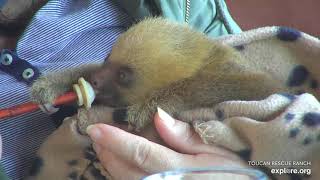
(181, 136)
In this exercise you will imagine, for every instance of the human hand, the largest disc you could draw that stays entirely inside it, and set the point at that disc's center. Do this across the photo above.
(128, 156)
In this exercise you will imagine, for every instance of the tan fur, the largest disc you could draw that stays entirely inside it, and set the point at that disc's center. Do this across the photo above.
(49, 87)
(178, 69)
(67, 143)
(175, 68)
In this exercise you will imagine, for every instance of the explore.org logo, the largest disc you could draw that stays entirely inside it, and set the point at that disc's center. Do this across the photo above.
(285, 167)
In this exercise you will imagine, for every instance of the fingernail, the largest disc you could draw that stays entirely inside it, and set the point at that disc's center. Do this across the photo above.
(168, 120)
(96, 147)
(94, 132)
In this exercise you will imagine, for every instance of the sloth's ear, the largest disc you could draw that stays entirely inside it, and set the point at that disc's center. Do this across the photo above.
(106, 59)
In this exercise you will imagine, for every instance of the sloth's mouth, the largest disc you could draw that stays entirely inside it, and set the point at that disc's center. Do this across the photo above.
(108, 100)
(104, 97)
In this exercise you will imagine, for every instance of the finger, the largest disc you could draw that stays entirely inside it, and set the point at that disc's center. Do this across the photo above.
(181, 136)
(117, 168)
(138, 151)
(120, 169)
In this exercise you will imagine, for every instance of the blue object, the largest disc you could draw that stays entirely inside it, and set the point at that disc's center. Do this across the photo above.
(307, 141)
(245, 154)
(294, 132)
(289, 117)
(288, 34)
(2, 2)
(311, 119)
(20, 69)
(298, 76)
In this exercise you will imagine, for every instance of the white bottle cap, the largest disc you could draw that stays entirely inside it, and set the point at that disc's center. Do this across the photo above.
(84, 92)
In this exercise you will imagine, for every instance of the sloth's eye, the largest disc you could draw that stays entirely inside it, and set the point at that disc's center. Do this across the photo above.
(122, 75)
(125, 76)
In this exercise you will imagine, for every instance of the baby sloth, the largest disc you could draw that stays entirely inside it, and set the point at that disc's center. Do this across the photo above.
(157, 63)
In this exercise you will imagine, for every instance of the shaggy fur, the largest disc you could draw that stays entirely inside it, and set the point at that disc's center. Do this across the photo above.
(176, 68)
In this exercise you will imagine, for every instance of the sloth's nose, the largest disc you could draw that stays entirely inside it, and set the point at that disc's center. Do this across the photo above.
(96, 81)
(95, 84)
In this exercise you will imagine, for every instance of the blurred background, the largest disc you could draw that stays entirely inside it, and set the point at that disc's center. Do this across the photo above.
(302, 15)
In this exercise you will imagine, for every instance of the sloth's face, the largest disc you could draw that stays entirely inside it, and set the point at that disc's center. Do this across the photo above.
(109, 81)
(149, 56)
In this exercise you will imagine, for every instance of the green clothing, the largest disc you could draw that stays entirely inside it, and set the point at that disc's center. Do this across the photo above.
(208, 16)
(3, 176)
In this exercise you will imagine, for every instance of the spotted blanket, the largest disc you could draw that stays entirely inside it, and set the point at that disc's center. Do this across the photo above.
(279, 135)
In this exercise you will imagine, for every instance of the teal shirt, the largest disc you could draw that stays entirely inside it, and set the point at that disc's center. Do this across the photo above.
(208, 16)
(3, 176)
